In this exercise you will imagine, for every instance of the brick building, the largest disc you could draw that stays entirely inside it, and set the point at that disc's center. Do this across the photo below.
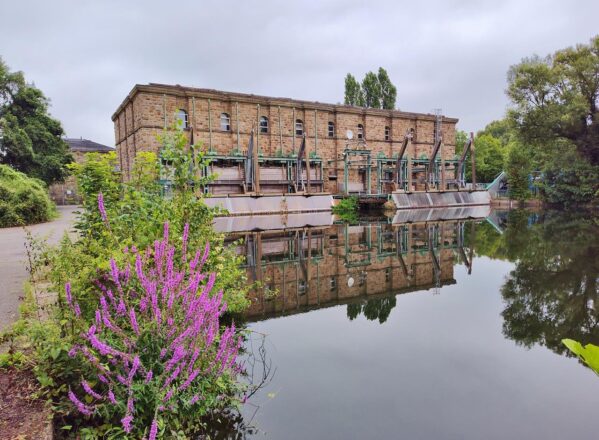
(305, 268)
(223, 122)
(66, 192)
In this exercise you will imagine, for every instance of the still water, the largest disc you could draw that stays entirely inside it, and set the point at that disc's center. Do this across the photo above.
(443, 329)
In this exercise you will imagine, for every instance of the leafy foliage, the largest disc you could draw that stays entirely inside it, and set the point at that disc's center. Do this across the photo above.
(347, 209)
(30, 139)
(557, 98)
(375, 91)
(518, 170)
(23, 200)
(118, 221)
(589, 354)
(154, 343)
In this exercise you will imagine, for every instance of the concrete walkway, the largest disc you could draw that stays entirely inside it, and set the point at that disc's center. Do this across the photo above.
(13, 270)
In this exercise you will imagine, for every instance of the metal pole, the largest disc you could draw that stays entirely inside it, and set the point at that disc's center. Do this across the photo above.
(409, 165)
(293, 131)
(164, 108)
(237, 122)
(442, 167)
(307, 155)
(256, 170)
(209, 127)
(345, 172)
(280, 133)
(473, 160)
(368, 186)
(315, 134)
(258, 127)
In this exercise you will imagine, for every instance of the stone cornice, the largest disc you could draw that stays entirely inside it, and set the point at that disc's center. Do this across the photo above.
(188, 92)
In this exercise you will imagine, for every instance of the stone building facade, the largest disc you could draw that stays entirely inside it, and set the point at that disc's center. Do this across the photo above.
(65, 193)
(346, 263)
(223, 121)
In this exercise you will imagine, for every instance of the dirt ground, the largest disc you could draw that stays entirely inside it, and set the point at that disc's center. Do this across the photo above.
(22, 417)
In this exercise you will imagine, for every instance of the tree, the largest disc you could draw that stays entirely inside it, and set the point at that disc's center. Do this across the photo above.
(372, 90)
(557, 98)
(388, 90)
(553, 293)
(518, 170)
(353, 91)
(375, 91)
(490, 157)
(30, 139)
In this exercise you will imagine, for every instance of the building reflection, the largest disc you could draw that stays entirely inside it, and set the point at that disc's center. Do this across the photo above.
(302, 269)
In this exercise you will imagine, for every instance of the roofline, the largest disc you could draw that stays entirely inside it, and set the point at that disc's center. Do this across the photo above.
(258, 99)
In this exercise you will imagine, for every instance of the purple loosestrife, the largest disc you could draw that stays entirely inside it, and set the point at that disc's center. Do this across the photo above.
(101, 207)
(172, 300)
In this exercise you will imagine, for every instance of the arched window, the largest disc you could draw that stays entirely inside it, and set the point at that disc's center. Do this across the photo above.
(182, 119)
(331, 129)
(299, 127)
(225, 122)
(387, 133)
(360, 131)
(263, 124)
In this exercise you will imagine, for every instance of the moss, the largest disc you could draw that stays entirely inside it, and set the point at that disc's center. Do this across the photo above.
(23, 200)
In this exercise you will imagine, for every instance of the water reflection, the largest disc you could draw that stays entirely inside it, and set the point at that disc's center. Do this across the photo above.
(307, 268)
(447, 366)
(552, 293)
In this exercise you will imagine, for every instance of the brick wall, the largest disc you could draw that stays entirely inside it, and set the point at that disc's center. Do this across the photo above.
(149, 109)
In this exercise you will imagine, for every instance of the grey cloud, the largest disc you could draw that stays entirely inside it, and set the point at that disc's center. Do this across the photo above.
(86, 55)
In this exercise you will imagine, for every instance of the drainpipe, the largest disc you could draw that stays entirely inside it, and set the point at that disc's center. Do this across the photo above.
(209, 127)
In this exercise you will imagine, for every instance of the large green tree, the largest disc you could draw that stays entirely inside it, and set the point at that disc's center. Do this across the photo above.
(372, 90)
(30, 139)
(557, 98)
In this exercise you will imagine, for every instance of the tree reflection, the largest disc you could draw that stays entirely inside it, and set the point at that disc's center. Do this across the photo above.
(372, 309)
(552, 293)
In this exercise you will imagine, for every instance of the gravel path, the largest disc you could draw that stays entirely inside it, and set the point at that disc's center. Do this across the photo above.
(13, 272)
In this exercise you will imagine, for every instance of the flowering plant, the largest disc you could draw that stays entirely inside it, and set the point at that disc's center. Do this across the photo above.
(159, 356)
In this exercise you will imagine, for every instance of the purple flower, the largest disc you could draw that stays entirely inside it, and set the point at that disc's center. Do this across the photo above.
(82, 407)
(153, 430)
(101, 207)
(89, 390)
(149, 376)
(67, 288)
(133, 321)
(111, 397)
(126, 421)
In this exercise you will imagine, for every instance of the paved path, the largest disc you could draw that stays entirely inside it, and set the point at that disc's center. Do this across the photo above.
(13, 272)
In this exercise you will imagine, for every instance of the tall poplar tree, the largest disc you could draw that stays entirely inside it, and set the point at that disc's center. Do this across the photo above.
(388, 90)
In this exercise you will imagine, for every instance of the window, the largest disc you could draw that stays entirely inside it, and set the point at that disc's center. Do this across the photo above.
(360, 131)
(299, 127)
(331, 129)
(332, 284)
(387, 133)
(263, 124)
(225, 122)
(182, 118)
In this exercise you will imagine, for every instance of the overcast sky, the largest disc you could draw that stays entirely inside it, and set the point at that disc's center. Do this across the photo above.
(87, 55)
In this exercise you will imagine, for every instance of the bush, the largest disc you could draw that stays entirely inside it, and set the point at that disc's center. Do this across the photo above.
(23, 200)
(158, 358)
(121, 242)
(347, 209)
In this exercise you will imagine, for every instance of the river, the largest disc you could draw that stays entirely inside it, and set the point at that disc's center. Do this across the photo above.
(433, 329)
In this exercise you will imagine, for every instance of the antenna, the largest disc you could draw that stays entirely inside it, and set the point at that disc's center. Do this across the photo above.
(349, 134)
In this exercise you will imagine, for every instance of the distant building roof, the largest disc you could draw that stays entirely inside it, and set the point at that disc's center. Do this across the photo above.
(86, 146)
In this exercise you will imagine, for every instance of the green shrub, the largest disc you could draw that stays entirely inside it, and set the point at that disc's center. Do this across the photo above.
(23, 200)
(347, 209)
